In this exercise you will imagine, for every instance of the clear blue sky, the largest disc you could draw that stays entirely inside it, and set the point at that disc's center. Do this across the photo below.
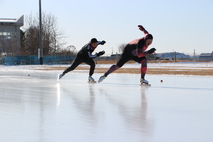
(182, 25)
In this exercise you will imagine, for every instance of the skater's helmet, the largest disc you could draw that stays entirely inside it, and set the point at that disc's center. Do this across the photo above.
(148, 39)
(93, 40)
(149, 36)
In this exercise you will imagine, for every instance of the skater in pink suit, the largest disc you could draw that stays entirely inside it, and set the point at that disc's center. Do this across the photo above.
(135, 50)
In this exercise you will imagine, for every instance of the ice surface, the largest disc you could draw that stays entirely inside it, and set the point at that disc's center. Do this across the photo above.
(179, 65)
(35, 107)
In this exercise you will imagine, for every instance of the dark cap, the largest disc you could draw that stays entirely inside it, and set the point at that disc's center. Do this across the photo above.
(93, 40)
(149, 36)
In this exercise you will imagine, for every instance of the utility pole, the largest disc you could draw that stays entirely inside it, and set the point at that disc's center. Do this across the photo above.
(40, 51)
(212, 55)
(175, 55)
(194, 55)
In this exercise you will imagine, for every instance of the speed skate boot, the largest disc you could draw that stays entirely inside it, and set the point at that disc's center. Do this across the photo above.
(143, 81)
(101, 78)
(90, 79)
(60, 76)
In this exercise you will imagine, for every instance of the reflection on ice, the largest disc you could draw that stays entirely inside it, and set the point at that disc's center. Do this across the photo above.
(39, 108)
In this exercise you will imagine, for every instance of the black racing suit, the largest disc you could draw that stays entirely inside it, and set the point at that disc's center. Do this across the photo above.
(84, 55)
(129, 53)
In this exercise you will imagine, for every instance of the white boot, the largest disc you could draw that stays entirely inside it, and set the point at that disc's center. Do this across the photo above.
(144, 81)
(60, 76)
(101, 78)
(90, 79)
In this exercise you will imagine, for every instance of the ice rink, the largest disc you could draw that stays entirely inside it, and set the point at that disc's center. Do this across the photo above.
(35, 107)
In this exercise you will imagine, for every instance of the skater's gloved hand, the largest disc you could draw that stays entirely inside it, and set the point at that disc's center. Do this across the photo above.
(100, 53)
(103, 42)
(142, 29)
(152, 50)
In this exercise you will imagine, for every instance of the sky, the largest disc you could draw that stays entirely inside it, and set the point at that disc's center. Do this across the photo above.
(183, 26)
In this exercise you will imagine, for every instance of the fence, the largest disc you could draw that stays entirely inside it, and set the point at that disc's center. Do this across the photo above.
(33, 60)
(49, 60)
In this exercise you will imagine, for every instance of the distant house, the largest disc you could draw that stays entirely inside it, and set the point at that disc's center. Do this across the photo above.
(10, 34)
(206, 57)
(172, 56)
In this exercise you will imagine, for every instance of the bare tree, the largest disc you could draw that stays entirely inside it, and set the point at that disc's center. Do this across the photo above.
(121, 48)
(31, 42)
(9, 46)
(70, 50)
(52, 36)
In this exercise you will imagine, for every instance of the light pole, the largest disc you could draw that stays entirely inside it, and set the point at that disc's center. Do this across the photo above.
(40, 36)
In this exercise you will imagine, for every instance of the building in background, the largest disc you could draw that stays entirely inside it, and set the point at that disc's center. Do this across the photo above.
(10, 35)
(206, 57)
(172, 56)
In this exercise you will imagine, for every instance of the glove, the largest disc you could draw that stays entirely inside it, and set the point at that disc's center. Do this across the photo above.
(152, 50)
(141, 28)
(103, 42)
(100, 53)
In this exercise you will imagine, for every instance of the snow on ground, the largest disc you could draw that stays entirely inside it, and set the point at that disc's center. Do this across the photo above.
(179, 65)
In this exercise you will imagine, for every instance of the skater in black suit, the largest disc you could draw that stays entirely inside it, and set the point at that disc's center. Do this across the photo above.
(85, 55)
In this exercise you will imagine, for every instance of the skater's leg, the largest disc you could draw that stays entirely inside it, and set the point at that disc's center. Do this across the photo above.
(111, 69)
(143, 62)
(143, 68)
(92, 66)
(119, 64)
(77, 61)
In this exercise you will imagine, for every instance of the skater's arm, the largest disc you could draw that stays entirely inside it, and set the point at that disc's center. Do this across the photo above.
(143, 30)
(89, 52)
(97, 54)
(101, 42)
(141, 53)
(90, 55)
(140, 49)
